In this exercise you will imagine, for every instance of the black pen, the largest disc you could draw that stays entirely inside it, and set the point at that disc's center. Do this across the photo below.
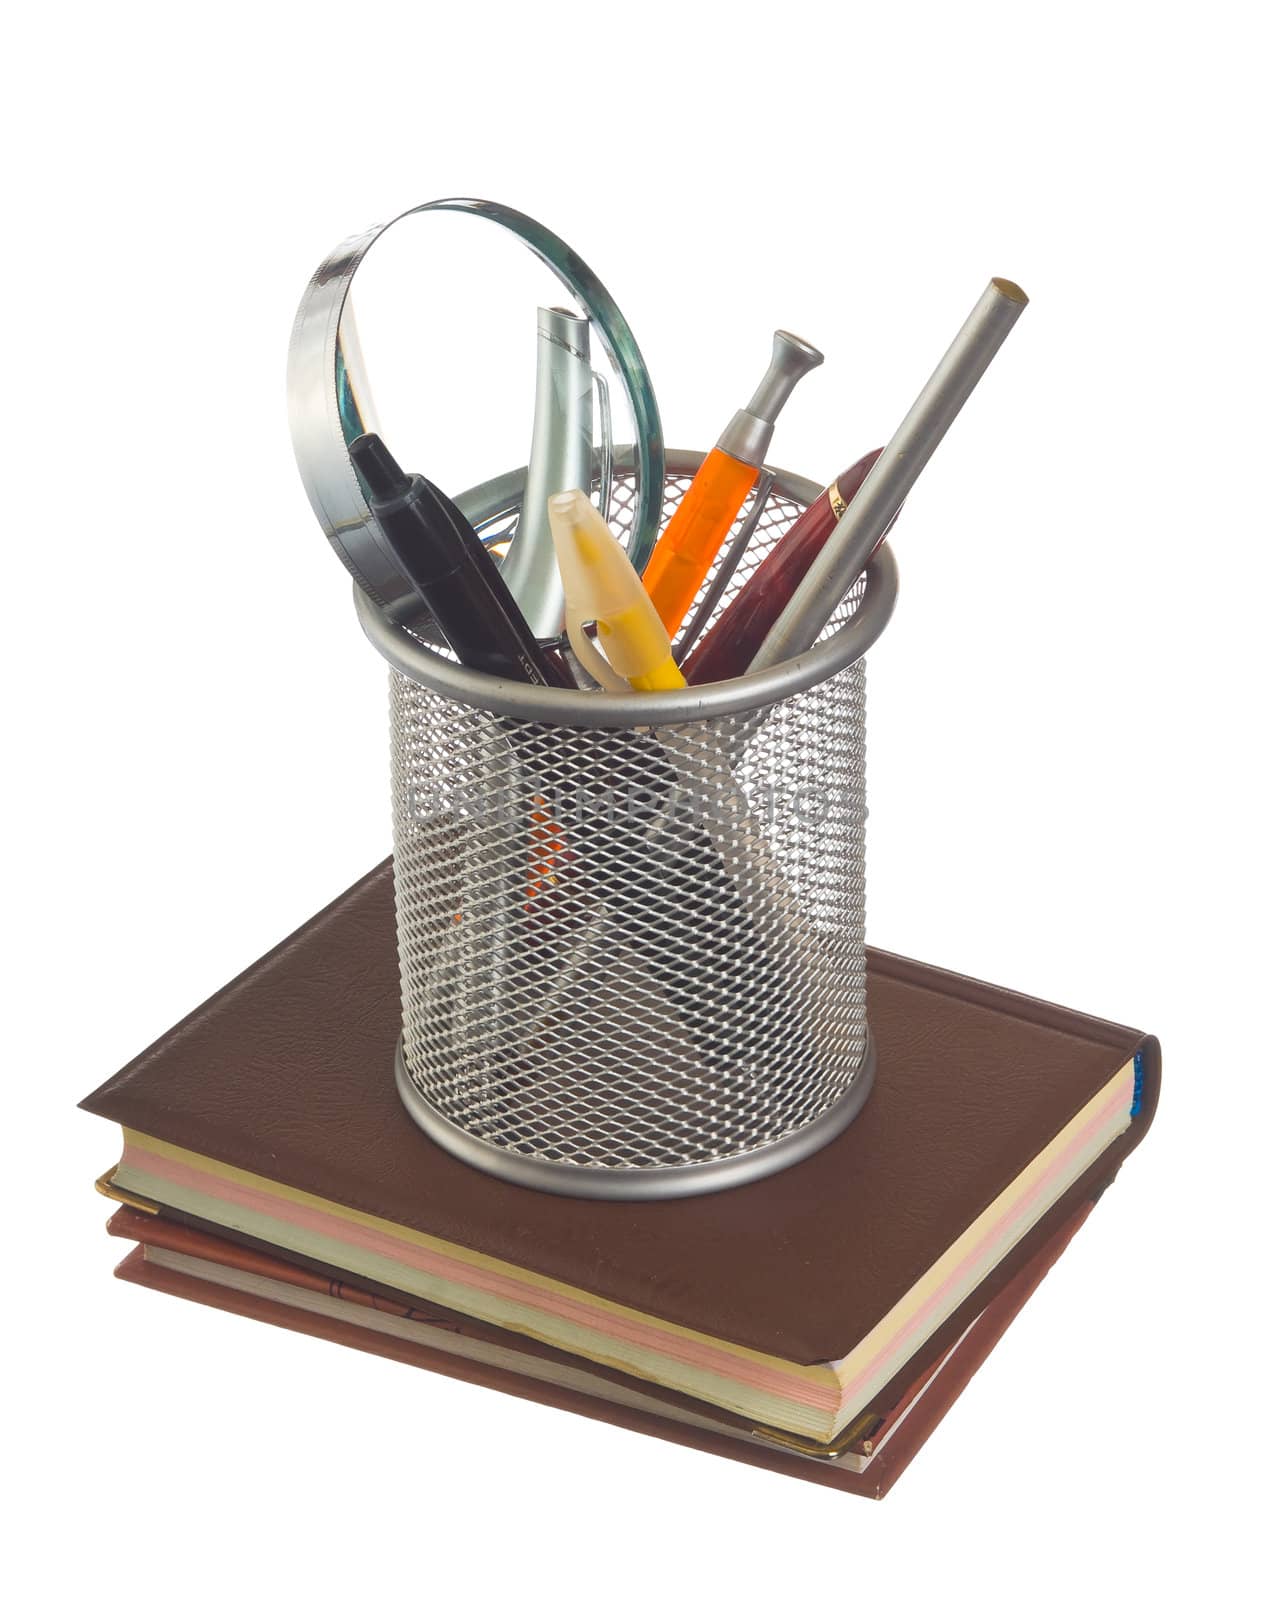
(443, 557)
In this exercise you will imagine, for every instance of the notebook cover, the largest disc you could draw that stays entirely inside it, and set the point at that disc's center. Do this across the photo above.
(874, 1482)
(287, 1072)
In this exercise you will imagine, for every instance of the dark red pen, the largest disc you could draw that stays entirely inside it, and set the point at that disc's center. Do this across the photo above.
(730, 646)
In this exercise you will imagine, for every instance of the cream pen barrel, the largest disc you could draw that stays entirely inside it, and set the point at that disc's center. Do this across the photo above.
(849, 546)
(602, 587)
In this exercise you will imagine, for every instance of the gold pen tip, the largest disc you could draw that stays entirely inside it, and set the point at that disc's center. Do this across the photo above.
(1010, 290)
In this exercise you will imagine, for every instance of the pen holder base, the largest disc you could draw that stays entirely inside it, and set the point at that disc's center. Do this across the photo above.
(638, 1183)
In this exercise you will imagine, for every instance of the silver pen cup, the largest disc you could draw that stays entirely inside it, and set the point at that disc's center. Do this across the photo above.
(631, 927)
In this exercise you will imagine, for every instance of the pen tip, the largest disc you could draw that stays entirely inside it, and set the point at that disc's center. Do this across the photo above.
(379, 470)
(786, 343)
(567, 505)
(1010, 290)
(577, 528)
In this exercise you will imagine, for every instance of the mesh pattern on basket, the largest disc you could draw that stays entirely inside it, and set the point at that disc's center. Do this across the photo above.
(633, 948)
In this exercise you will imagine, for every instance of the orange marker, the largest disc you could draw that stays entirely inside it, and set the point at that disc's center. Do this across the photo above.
(685, 553)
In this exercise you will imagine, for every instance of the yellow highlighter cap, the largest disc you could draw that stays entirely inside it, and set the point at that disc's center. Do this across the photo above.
(601, 586)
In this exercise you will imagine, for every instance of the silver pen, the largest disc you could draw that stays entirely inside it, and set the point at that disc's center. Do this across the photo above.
(559, 459)
(847, 550)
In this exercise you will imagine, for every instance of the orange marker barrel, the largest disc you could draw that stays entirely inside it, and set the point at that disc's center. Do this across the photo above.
(684, 554)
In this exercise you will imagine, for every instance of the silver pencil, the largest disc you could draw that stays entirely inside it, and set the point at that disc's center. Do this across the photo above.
(846, 552)
(559, 459)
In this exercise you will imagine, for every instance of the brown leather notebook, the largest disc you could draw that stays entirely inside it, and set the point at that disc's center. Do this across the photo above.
(286, 1074)
(871, 1469)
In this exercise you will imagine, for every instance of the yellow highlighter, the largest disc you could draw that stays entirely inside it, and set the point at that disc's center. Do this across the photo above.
(601, 586)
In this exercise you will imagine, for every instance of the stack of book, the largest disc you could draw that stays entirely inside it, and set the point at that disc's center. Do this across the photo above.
(818, 1323)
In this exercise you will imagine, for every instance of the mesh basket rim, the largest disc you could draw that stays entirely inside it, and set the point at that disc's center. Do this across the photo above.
(415, 659)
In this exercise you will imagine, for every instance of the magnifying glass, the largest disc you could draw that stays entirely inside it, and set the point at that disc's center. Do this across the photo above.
(589, 346)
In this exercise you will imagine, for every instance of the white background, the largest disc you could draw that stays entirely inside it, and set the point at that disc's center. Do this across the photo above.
(1066, 722)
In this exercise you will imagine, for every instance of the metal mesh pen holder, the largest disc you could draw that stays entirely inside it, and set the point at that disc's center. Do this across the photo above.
(631, 931)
